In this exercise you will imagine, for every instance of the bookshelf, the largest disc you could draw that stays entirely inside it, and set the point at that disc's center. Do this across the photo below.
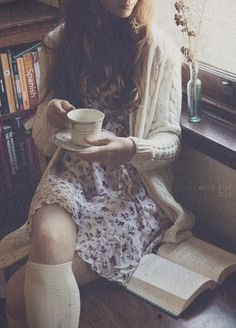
(22, 22)
(25, 21)
(24, 113)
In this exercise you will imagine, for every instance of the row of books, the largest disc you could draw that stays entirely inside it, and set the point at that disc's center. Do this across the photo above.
(19, 162)
(19, 78)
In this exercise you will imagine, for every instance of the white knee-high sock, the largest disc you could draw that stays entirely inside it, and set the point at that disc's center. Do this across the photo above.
(52, 298)
(13, 323)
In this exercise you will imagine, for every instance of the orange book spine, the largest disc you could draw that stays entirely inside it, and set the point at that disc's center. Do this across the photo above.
(8, 82)
(23, 82)
(31, 79)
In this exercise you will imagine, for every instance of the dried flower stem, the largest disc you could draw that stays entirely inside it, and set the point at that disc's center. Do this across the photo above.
(182, 20)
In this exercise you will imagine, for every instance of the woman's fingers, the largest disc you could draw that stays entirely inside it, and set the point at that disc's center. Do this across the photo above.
(97, 142)
(100, 151)
(99, 154)
(112, 151)
(67, 106)
(57, 113)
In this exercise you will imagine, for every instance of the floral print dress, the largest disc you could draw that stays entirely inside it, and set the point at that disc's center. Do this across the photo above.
(117, 223)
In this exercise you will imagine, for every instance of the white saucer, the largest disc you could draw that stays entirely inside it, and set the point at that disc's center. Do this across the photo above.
(63, 140)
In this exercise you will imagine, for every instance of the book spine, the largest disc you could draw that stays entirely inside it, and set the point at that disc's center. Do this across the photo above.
(35, 56)
(13, 151)
(9, 150)
(31, 79)
(12, 158)
(33, 161)
(2, 178)
(2, 108)
(8, 82)
(18, 178)
(9, 54)
(5, 161)
(27, 49)
(18, 86)
(36, 162)
(3, 94)
(19, 140)
(23, 83)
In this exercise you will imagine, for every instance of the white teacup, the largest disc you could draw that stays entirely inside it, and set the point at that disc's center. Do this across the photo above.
(85, 122)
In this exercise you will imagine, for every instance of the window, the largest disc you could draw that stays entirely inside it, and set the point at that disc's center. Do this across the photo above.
(216, 52)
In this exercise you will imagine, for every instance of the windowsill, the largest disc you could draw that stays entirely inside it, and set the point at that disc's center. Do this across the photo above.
(211, 137)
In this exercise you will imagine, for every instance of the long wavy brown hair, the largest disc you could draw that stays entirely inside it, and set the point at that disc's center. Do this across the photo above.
(101, 56)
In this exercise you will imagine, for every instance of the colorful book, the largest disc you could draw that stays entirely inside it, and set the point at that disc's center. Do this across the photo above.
(8, 82)
(35, 56)
(18, 86)
(5, 161)
(2, 180)
(31, 79)
(26, 49)
(14, 167)
(33, 160)
(23, 82)
(4, 108)
(9, 54)
(20, 145)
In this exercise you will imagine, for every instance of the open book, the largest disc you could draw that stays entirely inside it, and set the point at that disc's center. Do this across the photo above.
(178, 273)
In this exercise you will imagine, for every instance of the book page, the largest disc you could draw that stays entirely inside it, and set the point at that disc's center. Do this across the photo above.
(200, 256)
(167, 284)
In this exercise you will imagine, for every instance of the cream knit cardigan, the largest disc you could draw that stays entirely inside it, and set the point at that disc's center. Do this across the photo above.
(154, 128)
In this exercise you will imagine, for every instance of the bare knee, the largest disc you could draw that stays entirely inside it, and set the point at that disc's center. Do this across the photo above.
(53, 236)
(15, 303)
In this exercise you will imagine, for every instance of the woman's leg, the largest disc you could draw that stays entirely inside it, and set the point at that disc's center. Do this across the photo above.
(15, 302)
(51, 293)
(53, 236)
(53, 241)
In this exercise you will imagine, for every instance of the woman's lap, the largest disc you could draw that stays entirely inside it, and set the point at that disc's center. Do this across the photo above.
(114, 227)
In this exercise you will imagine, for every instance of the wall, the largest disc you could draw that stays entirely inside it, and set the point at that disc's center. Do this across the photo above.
(208, 188)
(217, 44)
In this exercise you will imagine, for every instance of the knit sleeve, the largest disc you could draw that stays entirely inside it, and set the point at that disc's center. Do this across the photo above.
(42, 132)
(162, 144)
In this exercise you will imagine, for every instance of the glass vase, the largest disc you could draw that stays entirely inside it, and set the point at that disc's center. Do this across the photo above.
(194, 88)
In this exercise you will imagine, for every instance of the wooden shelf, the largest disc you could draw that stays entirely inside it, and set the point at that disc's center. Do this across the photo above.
(211, 137)
(21, 22)
(9, 116)
(25, 21)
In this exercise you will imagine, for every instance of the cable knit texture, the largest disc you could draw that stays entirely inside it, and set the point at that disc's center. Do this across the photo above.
(154, 128)
(52, 297)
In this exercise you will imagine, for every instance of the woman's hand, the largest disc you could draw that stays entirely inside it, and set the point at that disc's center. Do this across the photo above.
(111, 151)
(56, 113)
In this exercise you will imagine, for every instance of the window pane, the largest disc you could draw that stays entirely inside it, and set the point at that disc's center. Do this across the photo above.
(217, 41)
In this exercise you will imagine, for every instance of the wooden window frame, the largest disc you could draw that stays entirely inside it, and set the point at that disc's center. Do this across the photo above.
(215, 134)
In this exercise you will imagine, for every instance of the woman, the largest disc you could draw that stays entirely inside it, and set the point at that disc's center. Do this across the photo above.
(97, 213)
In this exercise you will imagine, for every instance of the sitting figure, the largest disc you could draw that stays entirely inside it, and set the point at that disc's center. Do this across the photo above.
(95, 214)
